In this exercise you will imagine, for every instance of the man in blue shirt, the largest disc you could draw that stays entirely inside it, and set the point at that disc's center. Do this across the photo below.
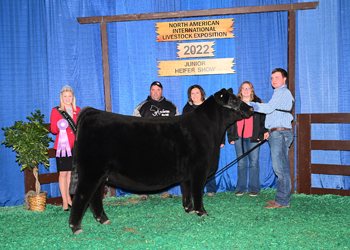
(279, 123)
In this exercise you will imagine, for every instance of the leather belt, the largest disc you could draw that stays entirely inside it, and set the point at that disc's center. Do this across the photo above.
(279, 129)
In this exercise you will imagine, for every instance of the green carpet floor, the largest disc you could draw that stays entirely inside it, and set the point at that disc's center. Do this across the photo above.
(311, 222)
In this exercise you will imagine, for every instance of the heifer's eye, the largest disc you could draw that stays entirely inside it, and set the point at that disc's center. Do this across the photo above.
(232, 100)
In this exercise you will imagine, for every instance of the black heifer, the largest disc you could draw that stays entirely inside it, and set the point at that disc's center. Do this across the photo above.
(147, 154)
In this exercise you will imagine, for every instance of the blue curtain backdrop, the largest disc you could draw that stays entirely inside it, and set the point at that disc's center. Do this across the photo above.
(323, 85)
(43, 48)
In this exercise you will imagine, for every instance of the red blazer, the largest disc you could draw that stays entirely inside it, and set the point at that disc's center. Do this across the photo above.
(54, 118)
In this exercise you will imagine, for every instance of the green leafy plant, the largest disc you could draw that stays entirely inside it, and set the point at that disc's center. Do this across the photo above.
(31, 142)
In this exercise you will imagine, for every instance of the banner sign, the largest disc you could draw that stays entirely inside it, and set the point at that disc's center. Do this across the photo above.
(204, 49)
(195, 29)
(196, 67)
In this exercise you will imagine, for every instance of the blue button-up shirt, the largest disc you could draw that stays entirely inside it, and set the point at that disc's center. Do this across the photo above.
(282, 99)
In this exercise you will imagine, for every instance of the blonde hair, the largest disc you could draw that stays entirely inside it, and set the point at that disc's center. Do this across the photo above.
(252, 93)
(65, 89)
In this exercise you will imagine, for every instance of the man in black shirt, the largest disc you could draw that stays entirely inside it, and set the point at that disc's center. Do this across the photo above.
(156, 105)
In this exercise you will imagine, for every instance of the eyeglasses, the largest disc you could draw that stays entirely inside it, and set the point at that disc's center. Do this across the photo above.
(246, 88)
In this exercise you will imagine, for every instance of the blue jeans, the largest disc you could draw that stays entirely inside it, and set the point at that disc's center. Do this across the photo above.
(211, 186)
(280, 142)
(242, 168)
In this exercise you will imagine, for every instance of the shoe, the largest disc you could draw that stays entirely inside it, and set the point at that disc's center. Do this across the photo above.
(165, 195)
(239, 193)
(274, 205)
(143, 197)
(210, 194)
(270, 202)
(253, 194)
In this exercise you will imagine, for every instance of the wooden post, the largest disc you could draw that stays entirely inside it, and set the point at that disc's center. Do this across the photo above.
(105, 63)
(291, 86)
(304, 154)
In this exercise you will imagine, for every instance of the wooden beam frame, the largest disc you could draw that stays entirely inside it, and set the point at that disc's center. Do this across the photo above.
(199, 13)
(291, 8)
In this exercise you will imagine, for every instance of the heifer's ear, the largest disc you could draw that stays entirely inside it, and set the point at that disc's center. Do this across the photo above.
(230, 90)
(219, 95)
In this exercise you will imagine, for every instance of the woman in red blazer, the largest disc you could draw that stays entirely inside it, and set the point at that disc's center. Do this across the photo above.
(64, 163)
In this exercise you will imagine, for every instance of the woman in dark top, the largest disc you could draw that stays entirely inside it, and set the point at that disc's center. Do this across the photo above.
(254, 132)
(196, 96)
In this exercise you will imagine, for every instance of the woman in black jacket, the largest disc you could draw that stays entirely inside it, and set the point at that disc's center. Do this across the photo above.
(254, 132)
(196, 96)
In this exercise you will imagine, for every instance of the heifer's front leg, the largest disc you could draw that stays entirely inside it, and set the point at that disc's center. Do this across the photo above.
(96, 205)
(186, 197)
(197, 193)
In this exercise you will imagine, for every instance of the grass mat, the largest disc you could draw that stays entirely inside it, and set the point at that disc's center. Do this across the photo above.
(311, 222)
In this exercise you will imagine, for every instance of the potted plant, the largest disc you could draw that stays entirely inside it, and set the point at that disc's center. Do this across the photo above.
(31, 142)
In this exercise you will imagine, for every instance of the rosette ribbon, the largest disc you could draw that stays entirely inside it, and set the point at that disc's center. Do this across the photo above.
(63, 143)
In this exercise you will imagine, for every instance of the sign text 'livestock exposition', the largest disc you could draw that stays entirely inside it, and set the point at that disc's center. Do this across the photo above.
(194, 30)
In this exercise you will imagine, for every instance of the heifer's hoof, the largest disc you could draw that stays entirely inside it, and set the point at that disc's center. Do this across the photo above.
(75, 229)
(103, 219)
(78, 232)
(188, 210)
(107, 222)
(201, 214)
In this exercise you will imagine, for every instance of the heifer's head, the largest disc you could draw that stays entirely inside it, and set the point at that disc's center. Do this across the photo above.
(227, 99)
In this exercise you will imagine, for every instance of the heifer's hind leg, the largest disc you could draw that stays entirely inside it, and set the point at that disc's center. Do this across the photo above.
(187, 197)
(86, 189)
(96, 205)
(79, 205)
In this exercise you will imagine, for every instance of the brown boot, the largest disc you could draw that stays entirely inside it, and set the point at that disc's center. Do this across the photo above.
(165, 195)
(143, 197)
